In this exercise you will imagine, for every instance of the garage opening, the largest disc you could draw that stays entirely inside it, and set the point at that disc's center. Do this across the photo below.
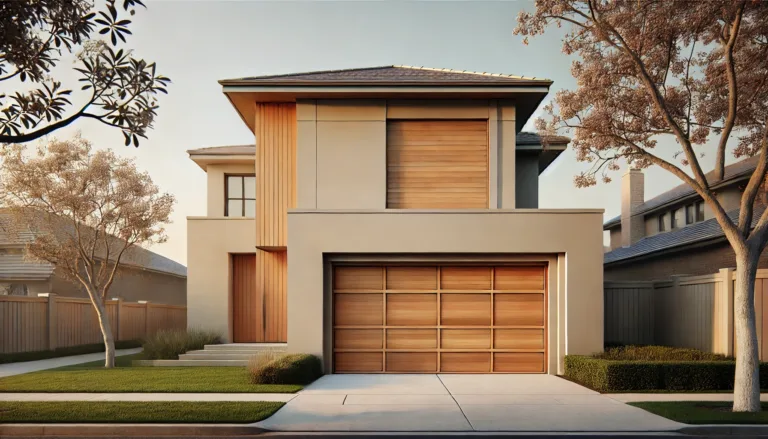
(439, 318)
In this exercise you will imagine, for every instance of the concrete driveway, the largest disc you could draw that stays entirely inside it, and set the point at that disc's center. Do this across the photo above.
(452, 402)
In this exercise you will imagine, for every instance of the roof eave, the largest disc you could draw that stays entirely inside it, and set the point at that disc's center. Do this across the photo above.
(314, 83)
(670, 249)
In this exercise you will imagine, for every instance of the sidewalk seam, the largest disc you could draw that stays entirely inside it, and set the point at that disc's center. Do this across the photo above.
(457, 402)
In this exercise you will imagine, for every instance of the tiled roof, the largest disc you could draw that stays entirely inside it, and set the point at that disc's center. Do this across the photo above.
(691, 234)
(733, 171)
(136, 256)
(16, 267)
(223, 150)
(392, 74)
(522, 138)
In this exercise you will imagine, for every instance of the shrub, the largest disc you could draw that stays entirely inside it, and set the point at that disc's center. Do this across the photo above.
(288, 369)
(623, 376)
(65, 352)
(169, 344)
(658, 353)
(262, 358)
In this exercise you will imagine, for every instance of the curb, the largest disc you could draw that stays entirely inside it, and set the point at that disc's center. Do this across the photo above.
(725, 430)
(39, 430)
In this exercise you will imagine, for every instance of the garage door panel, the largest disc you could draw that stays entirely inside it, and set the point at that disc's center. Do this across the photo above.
(520, 278)
(411, 309)
(358, 362)
(519, 309)
(477, 362)
(351, 309)
(465, 278)
(518, 362)
(411, 361)
(465, 338)
(518, 338)
(358, 278)
(359, 338)
(450, 318)
(412, 278)
(411, 338)
(458, 309)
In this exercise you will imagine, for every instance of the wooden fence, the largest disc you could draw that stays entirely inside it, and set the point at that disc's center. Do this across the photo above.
(686, 311)
(48, 322)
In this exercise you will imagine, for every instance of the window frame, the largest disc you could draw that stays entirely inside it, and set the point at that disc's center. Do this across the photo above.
(660, 223)
(673, 219)
(690, 213)
(699, 204)
(243, 198)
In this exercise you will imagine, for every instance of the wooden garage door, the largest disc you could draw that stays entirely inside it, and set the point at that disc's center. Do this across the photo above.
(443, 318)
(437, 164)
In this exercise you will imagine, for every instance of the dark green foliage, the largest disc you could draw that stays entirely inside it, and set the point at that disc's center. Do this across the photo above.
(658, 353)
(65, 352)
(288, 369)
(168, 345)
(624, 376)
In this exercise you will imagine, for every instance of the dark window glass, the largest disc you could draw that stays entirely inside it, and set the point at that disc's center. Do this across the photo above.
(673, 219)
(700, 211)
(689, 214)
(241, 196)
(661, 223)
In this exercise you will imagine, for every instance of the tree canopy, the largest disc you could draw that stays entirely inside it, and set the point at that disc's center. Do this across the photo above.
(119, 89)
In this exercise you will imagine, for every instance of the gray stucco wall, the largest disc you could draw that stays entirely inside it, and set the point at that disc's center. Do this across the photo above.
(527, 180)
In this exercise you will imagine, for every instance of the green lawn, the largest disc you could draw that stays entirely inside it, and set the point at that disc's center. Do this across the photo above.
(139, 412)
(698, 412)
(93, 378)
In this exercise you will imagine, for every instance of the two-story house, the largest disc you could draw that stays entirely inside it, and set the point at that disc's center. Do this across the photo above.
(675, 233)
(386, 220)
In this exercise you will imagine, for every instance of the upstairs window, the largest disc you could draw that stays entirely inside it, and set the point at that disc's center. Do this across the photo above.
(662, 227)
(690, 217)
(673, 219)
(700, 211)
(240, 196)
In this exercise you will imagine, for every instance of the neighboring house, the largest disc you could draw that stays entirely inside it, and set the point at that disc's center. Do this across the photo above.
(674, 233)
(387, 220)
(144, 275)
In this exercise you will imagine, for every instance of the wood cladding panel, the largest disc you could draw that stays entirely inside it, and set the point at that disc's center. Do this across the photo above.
(272, 287)
(437, 164)
(275, 132)
(447, 318)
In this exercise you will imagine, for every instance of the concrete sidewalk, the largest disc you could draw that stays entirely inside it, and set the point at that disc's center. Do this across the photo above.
(11, 369)
(660, 397)
(279, 397)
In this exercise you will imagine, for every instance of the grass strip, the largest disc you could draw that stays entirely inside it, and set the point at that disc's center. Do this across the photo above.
(136, 412)
(701, 412)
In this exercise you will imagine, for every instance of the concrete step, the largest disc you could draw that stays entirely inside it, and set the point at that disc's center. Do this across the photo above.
(201, 355)
(226, 352)
(252, 347)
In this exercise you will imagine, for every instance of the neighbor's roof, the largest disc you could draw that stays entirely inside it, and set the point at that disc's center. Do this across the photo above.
(691, 234)
(523, 138)
(392, 74)
(136, 256)
(16, 267)
(732, 172)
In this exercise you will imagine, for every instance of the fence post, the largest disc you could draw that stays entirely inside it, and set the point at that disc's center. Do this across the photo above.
(147, 304)
(725, 309)
(119, 318)
(52, 321)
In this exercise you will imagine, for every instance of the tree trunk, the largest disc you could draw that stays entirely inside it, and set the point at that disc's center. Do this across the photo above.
(106, 330)
(746, 390)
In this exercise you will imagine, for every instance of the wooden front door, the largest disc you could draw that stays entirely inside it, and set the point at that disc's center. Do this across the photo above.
(439, 318)
(259, 297)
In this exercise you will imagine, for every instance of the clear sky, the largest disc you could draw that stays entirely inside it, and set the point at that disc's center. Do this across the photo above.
(197, 43)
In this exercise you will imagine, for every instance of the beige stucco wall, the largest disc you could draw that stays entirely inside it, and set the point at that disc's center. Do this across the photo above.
(575, 235)
(210, 241)
(216, 173)
(341, 148)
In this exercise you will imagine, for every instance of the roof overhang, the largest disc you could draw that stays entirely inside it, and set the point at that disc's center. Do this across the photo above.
(547, 154)
(203, 160)
(243, 94)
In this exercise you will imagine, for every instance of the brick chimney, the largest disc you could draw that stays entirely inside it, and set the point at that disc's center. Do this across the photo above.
(632, 195)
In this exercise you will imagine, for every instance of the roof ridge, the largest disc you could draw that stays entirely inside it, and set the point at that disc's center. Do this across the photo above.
(312, 72)
(469, 72)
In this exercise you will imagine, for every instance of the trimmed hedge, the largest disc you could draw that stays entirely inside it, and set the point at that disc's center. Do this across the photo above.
(17, 357)
(658, 353)
(288, 369)
(623, 376)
